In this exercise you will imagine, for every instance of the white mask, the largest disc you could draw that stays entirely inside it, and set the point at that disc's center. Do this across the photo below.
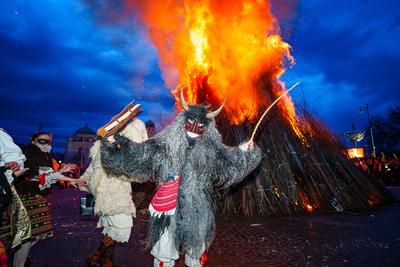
(44, 148)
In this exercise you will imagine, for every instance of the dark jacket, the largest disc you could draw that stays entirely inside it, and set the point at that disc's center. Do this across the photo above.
(34, 159)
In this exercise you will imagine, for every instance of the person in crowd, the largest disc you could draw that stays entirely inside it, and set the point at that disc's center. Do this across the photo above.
(360, 163)
(375, 167)
(396, 168)
(14, 225)
(35, 186)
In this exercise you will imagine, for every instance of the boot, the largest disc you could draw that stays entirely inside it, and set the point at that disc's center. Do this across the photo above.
(96, 259)
(108, 254)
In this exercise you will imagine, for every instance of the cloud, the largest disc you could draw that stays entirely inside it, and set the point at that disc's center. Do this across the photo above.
(61, 69)
(64, 63)
(347, 56)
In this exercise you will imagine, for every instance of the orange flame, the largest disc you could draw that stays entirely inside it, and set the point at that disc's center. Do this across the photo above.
(220, 49)
(306, 203)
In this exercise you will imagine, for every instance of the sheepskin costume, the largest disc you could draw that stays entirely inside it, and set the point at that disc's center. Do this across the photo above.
(114, 194)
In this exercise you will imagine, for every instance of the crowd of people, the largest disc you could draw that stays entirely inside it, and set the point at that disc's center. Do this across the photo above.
(385, 168)
(26, 178)
(27, 175)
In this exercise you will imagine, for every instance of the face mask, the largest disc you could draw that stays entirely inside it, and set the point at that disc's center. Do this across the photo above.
(195, 127)
(44, 148)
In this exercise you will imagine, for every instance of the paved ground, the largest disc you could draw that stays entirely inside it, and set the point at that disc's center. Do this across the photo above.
(366, 239)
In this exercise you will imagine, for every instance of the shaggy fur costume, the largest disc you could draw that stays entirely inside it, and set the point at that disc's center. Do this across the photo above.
(200, 163)
(113, 194)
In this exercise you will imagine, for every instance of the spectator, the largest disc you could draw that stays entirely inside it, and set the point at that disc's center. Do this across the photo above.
(34, 188)
(16, 226)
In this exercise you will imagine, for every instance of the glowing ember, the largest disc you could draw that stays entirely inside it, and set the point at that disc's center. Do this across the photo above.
(276, 191)
(306, 202)
(309, 208)
(221, 49)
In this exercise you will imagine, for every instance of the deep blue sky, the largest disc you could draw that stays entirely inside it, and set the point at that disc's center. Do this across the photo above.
(61, 67)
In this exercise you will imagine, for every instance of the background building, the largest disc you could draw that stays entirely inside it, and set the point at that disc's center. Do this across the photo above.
(78, 146)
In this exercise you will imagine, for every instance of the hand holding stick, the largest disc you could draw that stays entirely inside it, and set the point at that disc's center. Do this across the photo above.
(248, 146)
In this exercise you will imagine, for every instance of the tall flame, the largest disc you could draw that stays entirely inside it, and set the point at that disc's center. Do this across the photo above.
(217, 49)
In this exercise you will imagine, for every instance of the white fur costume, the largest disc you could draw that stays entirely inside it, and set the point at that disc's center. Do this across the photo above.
(113, 195)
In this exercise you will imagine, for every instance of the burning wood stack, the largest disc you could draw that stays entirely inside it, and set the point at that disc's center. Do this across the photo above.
(298, 175)
(233, 49)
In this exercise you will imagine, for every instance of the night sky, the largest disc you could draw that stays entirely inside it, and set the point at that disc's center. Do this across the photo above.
(62, 66)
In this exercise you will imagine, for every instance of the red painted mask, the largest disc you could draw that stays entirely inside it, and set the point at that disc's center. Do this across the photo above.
(194, 126)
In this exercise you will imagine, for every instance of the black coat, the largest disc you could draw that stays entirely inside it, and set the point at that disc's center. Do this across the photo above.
(35, 158)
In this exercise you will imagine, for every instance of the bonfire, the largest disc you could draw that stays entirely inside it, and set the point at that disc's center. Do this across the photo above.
(214, 50)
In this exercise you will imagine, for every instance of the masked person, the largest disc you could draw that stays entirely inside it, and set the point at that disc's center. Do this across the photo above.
(16, 227)
(34, 188)
(113, 197)
(186, 159)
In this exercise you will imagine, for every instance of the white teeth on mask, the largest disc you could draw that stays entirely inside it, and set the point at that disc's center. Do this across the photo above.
(192, 135)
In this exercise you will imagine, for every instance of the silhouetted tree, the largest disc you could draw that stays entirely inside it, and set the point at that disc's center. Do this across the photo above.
(387, 130)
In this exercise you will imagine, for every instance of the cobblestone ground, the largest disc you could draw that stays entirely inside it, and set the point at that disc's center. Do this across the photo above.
(363, 239)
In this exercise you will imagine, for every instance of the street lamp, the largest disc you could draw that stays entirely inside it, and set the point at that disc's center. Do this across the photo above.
(362, 109)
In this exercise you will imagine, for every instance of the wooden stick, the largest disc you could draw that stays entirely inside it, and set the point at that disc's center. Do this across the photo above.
(119, 121)
(269, 108)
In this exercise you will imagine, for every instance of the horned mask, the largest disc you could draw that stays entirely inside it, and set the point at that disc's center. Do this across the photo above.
(197, 117)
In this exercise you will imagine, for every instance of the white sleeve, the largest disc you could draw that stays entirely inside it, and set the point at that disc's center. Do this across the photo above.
(9, 151)
(49, 177)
